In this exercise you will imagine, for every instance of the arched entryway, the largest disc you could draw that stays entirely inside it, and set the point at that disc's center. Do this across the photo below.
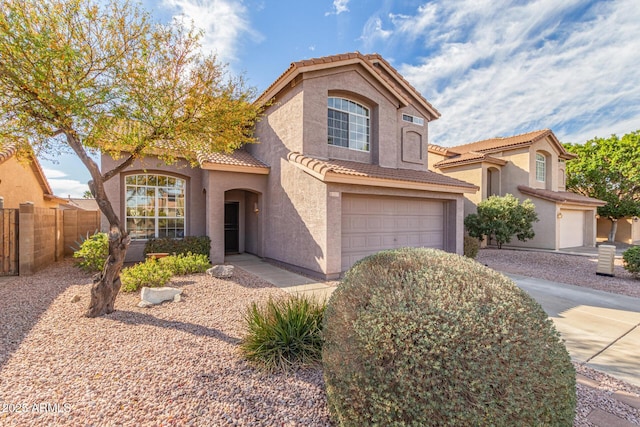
(242, 232)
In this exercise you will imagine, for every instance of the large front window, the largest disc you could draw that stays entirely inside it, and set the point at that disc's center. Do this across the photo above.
(541, 168)
(348, 124)
(154, 206)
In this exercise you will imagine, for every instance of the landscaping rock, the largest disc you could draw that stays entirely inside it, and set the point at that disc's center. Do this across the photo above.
(221, 271)
(152, 296)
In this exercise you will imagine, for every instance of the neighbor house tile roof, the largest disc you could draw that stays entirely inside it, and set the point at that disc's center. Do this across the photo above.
(325, 168)
(468, 158)
(501, 143)
(369, 61)
(560, 196)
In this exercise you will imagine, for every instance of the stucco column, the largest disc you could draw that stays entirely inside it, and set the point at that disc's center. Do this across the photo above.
(215, 223)
(27, 239)
(334, 234)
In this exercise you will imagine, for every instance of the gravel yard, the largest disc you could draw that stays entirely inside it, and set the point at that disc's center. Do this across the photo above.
(178, 364)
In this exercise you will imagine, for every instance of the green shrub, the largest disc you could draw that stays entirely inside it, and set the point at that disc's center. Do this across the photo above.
(502, 217)
(195, 245)
(471, 247)
(285, 333)
(425, 338)
(183, 264)
(92, 252)
(150, 273)
(631, 260)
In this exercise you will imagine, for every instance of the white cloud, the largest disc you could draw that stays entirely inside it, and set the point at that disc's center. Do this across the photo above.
(67, 187)
(373, 32)
(224, 23)
(339, 6)
(53, 173)
(509, 67)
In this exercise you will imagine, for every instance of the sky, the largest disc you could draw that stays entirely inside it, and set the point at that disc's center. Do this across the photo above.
(490, 67)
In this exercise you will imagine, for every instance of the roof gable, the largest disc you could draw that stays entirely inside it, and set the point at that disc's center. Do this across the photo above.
(493, 145)
(12, 150)
(396, 84)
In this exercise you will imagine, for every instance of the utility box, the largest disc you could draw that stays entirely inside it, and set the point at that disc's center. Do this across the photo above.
(606, 257)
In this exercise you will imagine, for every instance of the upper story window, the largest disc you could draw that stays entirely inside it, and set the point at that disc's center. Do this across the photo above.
(541, 167)
(348, 124)
(413, 119)
(155, 206)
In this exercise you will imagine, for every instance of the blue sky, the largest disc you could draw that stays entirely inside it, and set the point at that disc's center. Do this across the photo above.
(491, 67)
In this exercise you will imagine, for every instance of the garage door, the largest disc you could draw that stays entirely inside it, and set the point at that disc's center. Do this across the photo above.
(374, 223)
(571, 229)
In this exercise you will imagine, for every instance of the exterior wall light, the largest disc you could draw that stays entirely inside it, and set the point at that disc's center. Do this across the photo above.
(559, 215)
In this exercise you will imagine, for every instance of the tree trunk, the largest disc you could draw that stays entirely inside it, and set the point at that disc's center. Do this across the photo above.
(614, 229)
(106, 284)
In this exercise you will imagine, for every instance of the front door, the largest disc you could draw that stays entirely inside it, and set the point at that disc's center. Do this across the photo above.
(231, 227)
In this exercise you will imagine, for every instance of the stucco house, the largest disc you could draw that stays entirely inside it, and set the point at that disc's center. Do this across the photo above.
(340, 172)
(529, 166)
(24, 181)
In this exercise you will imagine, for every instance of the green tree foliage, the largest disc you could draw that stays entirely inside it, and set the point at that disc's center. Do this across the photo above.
(608, 169)
(86, 75)
(502, 217)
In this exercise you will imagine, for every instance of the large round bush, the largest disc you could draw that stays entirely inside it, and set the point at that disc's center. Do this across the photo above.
(425, 338)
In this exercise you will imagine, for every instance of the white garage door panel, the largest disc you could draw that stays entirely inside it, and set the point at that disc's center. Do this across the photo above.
(571, 229)
(373, 223)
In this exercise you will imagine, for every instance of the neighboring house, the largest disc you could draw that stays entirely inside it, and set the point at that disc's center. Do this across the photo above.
(24, 181)
(340, 172)
(628, 230)
(530, 165)
(82, 204)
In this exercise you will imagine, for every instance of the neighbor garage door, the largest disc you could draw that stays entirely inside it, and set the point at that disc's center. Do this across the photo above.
(373, 223)
(571, 228)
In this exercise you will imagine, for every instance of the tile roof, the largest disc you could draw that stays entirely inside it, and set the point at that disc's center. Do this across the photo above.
(239, 157)
(8, 151)
(500, 143)
(561, 196)
(469, 157)
(364, 170)
(368, 61)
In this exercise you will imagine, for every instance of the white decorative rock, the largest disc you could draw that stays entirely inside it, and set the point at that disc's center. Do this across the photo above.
(221, 271)
(152, 296)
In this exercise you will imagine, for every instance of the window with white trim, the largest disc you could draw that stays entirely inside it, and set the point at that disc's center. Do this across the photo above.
(541, 167)
(155, 206)
(413, 119)
(348, 124)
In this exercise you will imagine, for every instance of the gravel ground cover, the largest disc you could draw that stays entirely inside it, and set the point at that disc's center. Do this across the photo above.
(173, 364)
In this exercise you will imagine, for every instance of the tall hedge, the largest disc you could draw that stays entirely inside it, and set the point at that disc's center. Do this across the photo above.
(420, 337)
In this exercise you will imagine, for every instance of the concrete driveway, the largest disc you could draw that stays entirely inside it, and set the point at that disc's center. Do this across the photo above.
(601, 329)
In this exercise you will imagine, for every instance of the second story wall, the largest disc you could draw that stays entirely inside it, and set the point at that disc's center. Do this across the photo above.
(298, 120)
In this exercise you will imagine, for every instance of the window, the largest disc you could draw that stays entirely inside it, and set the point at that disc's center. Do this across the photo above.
(413, 119)
(541, 168)
(348, 124)
(154, 206)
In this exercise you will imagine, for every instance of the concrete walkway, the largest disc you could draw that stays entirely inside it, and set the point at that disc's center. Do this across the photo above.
(601, 329)
(281, 278)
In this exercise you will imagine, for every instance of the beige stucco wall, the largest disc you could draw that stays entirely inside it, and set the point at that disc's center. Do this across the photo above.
(393, 142)
(628, 230)
(246, 189)
(18, 184)
(195, 219)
